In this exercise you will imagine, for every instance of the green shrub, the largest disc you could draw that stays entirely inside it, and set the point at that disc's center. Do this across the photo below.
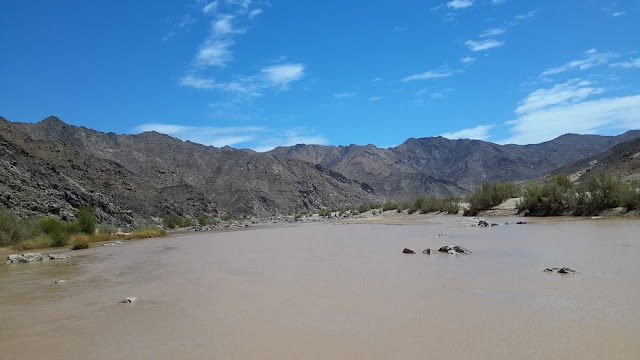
(324, 212)
(600, 191)
(553, 198)
(39, 242)
(489, 195)
(107, 229)
(390, 205)
(86, 220)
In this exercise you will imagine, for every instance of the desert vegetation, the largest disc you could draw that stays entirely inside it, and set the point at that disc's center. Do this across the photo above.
(45, 232)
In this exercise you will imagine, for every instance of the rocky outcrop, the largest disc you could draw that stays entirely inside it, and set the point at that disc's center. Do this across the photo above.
(408, 251)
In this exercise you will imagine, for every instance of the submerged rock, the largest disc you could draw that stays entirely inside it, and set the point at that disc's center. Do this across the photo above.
(455, 250)
(30, 257)
(566, 270)
(58, 257)
(60, 281)
(426, 251)
(128, 300)
(521, 222)
(408, 251)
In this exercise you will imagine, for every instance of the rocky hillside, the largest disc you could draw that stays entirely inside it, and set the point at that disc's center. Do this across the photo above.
(52, 168)
(442, 166)
(622, 159)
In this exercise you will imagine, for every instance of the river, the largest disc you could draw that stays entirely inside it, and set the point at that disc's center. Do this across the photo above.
(336, 291)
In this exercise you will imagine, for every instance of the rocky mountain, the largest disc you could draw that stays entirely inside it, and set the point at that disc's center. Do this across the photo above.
(51, 167)
(449, 167)
(622, 159)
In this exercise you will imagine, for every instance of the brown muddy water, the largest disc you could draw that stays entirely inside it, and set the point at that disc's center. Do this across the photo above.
(331, 291)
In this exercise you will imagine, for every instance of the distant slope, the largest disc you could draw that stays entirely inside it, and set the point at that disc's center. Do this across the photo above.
(622, 159)
(442, 166)
(53, 167)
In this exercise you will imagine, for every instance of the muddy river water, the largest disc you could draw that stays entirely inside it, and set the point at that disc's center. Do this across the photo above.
(336, 291)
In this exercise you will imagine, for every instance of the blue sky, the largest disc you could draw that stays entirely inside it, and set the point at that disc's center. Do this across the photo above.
(258, 74)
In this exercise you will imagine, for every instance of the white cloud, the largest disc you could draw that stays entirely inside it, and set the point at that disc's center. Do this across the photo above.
(224, 26)
(210, 8)
(592, 58)
(480, 132)
(255, 137)
(632, 63)
(483, 44)
(570, 92)
(206, 135)
(377, 79)
(492, 32)
(568, 108)
(527, 15)
(344, 95)
(440, 72)
(283, 74)
(255, 12)
(460, 4)
(197, 82)
(467, 60)
(289, 138)
(618, 13)
(375, 98)
(214, 52)
(440, 94)
(400, 28)
(497, 2)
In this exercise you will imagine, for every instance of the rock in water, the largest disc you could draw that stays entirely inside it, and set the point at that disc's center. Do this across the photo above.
(128, 300)
(58, 257)
(461, 250)
(29, 257)
(408, 251)
(426, 251)
(445, 248)
(566, 270)
(61, 281)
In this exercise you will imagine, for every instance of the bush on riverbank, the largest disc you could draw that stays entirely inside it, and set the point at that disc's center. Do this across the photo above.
(489, 195)
(599, 192)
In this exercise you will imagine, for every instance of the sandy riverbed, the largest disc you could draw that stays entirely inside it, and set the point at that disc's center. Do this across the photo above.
(336, 291)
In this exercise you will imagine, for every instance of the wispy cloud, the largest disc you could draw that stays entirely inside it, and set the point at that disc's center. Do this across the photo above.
(210, 8)
(400, 28)
(460, 4)
(214, 52)
(375, 98)
(224, 26)
(255, 12)
(493, 32)
(570, 108)
(344, 95)
(258, 138)
(440, 72)
(527, 15)
(570, 92)
(483, 45)
(283, 74)
(592, 58)
(497, 2)
(632, 63)
(433, 95)
(480, 132)
(290, 137)
(206, 135)
(182, 24)
(275, 77)
(467, 60)
(197, 82)
(618, 13)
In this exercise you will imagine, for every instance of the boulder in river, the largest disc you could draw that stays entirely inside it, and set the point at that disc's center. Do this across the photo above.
(128, 300)
(408, 251)
(457, 250)
(426, 251)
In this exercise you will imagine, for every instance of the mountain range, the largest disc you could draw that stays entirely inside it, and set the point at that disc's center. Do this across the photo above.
(52, 168)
